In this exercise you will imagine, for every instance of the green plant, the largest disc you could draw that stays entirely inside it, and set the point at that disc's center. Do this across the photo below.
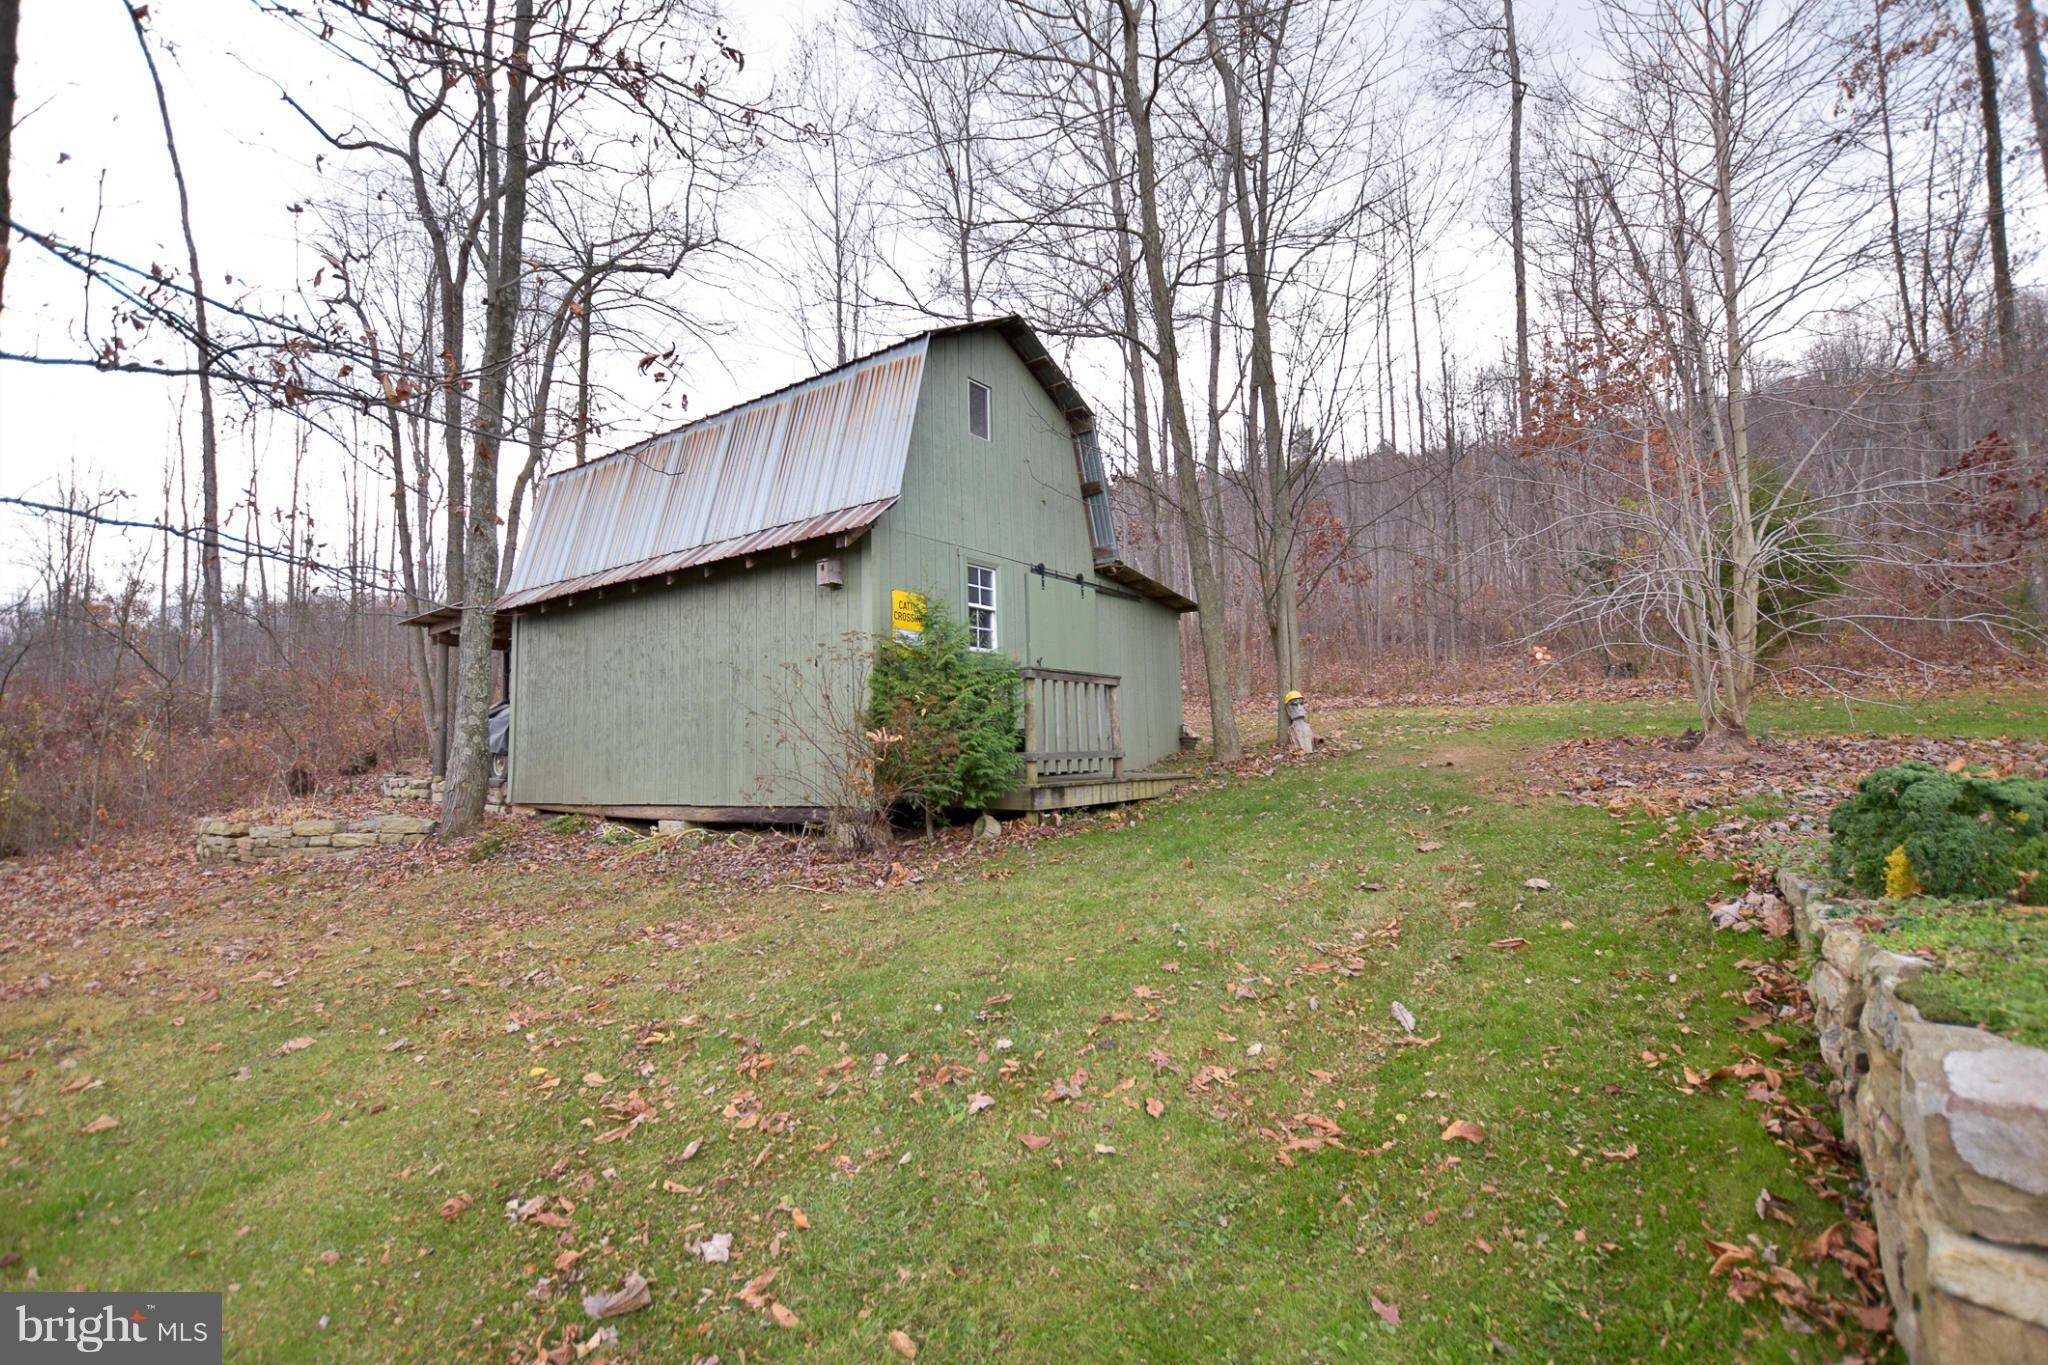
(1803, 565)
(952, 719)
(565, 824)
(487, 847)
(1962, 834)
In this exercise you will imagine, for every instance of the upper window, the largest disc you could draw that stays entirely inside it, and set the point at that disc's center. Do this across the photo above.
(981, 607)
(977, 409)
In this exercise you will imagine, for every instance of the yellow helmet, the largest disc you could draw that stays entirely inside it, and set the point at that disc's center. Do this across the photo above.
(1291, 696)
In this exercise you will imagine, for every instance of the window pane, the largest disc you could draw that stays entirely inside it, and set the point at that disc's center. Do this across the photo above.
(977, 409)
(981, 606)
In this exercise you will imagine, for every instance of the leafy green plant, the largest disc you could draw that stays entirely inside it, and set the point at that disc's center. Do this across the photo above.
(950, 719)
(1960, 834)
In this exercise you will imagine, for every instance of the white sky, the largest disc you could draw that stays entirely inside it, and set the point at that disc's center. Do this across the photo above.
(89, 163)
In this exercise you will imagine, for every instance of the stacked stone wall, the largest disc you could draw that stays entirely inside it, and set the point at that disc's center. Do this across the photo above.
(241, 841)
(1952, 1125)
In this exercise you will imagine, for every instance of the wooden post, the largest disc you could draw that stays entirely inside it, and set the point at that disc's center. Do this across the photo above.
(447, 711)
(1031, 745)
(1116, 736)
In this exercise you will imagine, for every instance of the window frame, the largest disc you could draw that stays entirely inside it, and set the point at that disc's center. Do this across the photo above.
(990, 608)
(988, 410)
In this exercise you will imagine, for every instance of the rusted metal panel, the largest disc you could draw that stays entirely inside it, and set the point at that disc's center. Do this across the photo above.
(819, 458)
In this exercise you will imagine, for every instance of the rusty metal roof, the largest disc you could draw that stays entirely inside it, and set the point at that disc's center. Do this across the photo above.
(820, 458)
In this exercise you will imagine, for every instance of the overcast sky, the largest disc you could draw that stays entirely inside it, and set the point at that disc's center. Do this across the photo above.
(89, 164)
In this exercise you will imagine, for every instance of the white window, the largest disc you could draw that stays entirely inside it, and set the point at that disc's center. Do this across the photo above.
(977, 409)
(981, 607)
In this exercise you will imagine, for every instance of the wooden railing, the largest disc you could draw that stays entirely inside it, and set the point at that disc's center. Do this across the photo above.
(1070, 726)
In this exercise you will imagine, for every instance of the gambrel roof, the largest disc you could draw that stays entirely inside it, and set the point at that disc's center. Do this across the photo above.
(821, 459)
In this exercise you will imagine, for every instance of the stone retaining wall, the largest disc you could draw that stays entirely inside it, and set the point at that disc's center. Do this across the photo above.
(1952, 1125)
(427, 787)
(240, 841)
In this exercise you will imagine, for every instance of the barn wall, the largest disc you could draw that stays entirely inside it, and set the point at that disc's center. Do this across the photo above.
(1010, 503)
(651, 698)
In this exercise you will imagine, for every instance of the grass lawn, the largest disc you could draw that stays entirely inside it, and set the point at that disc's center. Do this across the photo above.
(1227, 961)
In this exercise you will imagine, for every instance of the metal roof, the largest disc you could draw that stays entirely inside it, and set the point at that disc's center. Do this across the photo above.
(820, 458)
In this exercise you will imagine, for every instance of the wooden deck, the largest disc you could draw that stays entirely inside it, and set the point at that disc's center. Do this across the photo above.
(1072, 793)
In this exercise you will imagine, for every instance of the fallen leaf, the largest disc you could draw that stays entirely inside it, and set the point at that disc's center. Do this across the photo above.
(979, 1101)
(1463, 1130)
(631, 1295)
(1537, 884)
(754, 1292)
(716, 1249)
(1404, 1017)
(783, 1317)
(1389, 1313)
(101, 1124)
(295, 1045)
(454, 1205)
(1429, 846)
(900, 1342)
(1034, 1141)
(1509, 943)
(1155, 1106)
(801, 1219)
(1627, 1153)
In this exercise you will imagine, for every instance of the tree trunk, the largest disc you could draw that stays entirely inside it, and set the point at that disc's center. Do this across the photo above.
(202, 340)
(1277, 558)
(462, 811)
(10, 31)
(2005, 308)
(1152, 247)
(2029, 26)
(1516, 93)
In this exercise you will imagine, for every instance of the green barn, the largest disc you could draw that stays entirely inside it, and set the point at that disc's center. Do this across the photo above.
(662, 592)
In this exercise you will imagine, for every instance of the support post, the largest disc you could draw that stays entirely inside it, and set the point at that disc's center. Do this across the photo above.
(1116, 737)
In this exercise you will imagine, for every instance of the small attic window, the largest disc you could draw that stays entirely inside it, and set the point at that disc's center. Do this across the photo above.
(977, 409)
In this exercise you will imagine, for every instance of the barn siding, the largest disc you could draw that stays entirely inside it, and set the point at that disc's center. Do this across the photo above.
(1013, 502)
(656, 697)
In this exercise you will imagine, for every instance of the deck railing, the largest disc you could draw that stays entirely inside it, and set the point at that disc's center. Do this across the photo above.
(1070, 726)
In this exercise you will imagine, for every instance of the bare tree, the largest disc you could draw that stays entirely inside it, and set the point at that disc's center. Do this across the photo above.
(1714, 170)
(202, 345)
(10, 34)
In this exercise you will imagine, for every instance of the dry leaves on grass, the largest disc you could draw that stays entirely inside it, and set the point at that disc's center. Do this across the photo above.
(1463, 1130)
(631, 1295)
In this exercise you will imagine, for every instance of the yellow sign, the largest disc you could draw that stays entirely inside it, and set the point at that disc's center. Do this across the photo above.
(906, 612)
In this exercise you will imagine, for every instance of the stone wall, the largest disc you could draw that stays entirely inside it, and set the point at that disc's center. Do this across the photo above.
(427, 787)
(241, 841)
(1952, 1124)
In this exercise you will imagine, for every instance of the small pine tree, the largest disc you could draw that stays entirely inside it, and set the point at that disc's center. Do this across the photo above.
(1804, 564)
(954, 716)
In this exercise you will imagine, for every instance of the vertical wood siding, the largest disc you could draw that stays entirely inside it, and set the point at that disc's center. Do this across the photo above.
(655, 697)
(1012, 502)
